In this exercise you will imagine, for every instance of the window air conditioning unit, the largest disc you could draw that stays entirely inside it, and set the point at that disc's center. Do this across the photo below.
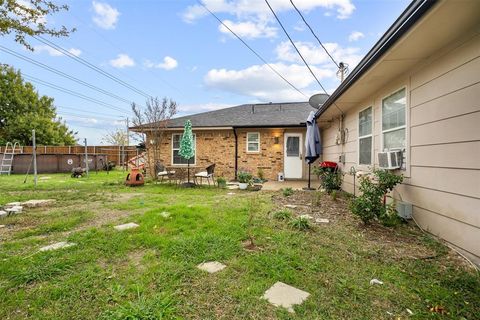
(390, 160)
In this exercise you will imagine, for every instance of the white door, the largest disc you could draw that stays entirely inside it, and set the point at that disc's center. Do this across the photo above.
(293, 156)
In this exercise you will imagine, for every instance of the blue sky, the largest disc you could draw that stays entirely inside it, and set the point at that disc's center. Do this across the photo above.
(176, 49)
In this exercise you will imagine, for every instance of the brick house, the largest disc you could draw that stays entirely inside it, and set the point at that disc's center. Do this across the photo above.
(251, 137)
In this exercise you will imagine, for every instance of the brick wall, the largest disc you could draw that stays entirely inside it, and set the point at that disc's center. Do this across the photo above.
(218, 146)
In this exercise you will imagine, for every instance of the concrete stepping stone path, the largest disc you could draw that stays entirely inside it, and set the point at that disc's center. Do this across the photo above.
(212, 266)
(58, 245)
(126, 226)
(38, 203)
(283, 295)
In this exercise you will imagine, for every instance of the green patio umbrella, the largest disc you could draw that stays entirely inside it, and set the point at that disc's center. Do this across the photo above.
(187, 149)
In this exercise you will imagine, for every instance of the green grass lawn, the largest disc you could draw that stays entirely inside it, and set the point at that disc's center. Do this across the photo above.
(150, 272)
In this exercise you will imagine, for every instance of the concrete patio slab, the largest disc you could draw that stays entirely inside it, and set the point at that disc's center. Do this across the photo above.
(126, 226)
(58, 245)
(283, 295)
(212, 266)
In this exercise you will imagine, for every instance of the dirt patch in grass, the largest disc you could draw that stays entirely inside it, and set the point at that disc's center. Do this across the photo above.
(406, 241)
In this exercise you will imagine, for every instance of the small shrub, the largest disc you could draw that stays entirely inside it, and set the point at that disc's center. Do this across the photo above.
(221, 182)
(334, 195)
(390, 217)
(316, 198)
(331, 180)
(287, 192)
(301, 223)
(244, 177)
(282, 215)
(369, 205)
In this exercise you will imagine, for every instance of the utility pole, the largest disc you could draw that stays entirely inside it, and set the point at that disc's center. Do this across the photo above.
(128, 133)
(86, 156)
(34, 158)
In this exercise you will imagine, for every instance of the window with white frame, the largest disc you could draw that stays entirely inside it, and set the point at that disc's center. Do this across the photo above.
(177, 159)
(365, 124)
(394, 120)
(253, 142)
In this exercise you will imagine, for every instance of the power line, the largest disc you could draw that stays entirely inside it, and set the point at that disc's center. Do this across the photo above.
(251, 49)
(92, 66)
(293, 44)
(71, 92)
(311, 30)
(298, 51)
(84, 111)
(84, 116)
(63, 74)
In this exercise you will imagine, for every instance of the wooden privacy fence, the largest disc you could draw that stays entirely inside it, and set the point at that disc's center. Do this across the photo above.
(117, 154)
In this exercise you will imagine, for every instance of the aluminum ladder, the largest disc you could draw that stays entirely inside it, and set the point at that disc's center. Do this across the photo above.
(7, 159)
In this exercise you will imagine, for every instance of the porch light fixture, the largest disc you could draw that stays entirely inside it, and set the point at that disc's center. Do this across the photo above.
(276, 140)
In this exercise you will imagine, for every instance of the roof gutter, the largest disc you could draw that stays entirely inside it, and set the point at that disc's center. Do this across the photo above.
(414, 12)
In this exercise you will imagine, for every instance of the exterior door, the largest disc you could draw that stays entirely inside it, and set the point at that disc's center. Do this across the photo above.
(293, 156)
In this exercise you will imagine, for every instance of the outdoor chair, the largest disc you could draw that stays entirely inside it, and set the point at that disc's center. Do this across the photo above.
(208, 174)
(162, 172)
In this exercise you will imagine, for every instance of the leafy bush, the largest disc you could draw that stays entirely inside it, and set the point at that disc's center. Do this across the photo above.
(221, 182)
(287, 192)
(301, 223)
(370, 205)
(282, 215)
(329, 180)
(244, 177)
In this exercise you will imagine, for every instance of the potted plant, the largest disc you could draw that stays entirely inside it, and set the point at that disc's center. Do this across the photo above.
(221, 182)
(244, 179)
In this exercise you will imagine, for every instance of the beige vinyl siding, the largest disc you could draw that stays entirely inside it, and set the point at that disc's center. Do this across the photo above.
(443, 142)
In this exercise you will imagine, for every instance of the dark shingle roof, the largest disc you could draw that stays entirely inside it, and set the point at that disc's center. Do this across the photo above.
(250, 115)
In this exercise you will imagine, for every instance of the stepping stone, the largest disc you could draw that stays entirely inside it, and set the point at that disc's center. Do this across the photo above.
(306, 216)
(126, 226)
(283, 295)
(13, 204)
(212, 266)
(3, 214)
(37, 203)
(14, 210)
(2, 226)
(165, 214)
(231, 193)
(291, 206)
(232, 187)
(58, 245)
(321, 220)
(45, 178)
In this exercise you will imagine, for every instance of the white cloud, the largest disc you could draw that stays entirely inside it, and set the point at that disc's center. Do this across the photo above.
(355, 36)
(316, 55)
(249, 29)
(122, 61)
(55, 53)
(168, 63)
(244, 8)
(260, 82)
(106, 16)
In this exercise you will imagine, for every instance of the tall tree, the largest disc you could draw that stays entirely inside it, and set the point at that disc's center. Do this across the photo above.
(153, 118)
(28, 18)
(117, 137)
(23, 109)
